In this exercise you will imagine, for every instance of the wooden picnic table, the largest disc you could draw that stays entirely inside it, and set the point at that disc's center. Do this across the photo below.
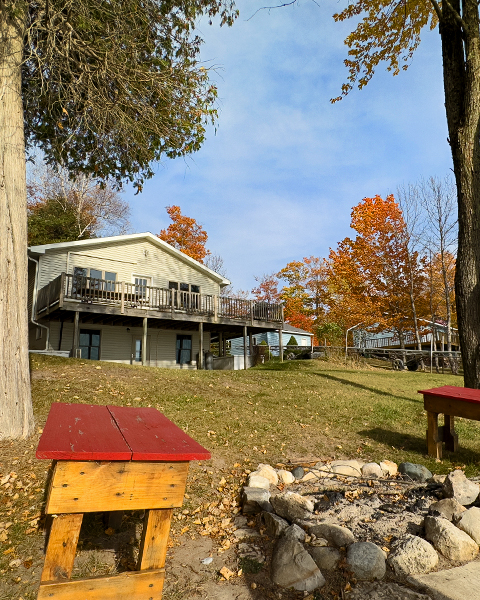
(452, 402)
(112, 458)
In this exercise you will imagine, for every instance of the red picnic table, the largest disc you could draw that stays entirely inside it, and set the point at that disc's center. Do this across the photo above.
(112, 458)
(452, 402)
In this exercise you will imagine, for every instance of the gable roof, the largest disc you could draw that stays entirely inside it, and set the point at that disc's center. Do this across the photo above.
(287, 328)
(37, 250)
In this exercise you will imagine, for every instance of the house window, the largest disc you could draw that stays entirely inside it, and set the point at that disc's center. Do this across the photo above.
(185, 300)
(142, 284)
(184, 349)
(90, 344)
(99, 280)
(184, 287)
(79, 279)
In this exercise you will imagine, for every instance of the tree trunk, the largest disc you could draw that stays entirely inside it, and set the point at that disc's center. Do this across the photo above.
(16, 416)
(461, 66)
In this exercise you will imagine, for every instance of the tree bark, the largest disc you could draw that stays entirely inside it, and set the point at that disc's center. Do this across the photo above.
(16, 415)
(461, 66)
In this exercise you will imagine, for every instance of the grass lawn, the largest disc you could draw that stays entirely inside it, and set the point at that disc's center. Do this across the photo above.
(273, 414)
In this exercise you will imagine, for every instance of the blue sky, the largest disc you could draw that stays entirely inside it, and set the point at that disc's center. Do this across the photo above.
(278, 179)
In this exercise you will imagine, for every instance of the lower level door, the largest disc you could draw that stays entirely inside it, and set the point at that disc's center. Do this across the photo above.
(137, 350)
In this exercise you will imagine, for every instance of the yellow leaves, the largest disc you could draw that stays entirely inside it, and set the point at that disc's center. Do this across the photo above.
(109, 531)
(226, 573)
(351, 495)
(388, 32)
(9, 550)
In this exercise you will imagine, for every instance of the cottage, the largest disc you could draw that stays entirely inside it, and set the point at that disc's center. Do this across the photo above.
(134, 299)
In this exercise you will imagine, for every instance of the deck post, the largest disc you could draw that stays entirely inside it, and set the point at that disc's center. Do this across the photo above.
(144, 342)
(250, 342)
(200, 346)
(245, 347)
(62, 290)
(252, 312)
(76, 333)
(280, 344)
(220, 344)
(215, 307)
(122, 297)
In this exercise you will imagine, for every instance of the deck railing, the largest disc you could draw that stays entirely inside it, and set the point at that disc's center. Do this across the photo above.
(125, 295)
(409, 339)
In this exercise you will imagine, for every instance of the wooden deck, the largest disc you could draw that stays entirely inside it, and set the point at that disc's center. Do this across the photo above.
(89, 295)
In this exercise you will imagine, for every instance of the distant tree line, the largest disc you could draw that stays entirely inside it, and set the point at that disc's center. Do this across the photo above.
(394, 274)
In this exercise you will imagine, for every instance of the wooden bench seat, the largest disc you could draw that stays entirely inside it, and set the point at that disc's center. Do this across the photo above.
(111, 459)
(452, 402)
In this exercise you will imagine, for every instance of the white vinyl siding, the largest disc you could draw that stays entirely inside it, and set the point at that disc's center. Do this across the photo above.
(137, 257)
(117, 343)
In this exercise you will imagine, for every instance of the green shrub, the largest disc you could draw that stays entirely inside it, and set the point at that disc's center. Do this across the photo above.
(292, 341)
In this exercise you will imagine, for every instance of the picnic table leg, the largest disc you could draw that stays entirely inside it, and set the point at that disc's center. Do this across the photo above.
(449, 436)
(61, 547)
(153, 547)
(434, 442)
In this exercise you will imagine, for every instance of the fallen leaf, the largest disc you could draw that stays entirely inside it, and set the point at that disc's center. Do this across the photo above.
(110, 531)
(9, 551)
(226, 573)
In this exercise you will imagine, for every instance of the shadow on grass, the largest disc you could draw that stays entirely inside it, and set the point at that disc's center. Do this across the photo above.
(418, 445)
(365, 387)
(400, 440)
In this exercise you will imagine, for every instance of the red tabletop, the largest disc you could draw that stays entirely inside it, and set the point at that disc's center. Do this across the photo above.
(92, 432)
(451, 391)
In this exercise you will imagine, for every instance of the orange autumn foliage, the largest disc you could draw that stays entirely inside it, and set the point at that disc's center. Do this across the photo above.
(267, 289)
(185, 234)
(375, 277)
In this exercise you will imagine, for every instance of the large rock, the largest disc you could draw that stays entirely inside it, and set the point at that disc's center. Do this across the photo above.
(310, 476)
(459, 487)
(292, 506)
(298, 472)
(366, 560)
(460, 583)
(268, 472)
(414, 472)
(274, 524)
(255, 500)
(327, 559)
(448, 508)
(372, 471)
(293, 567)
(389, 468)
(348, 468)
(257, 481)
(412, 555)
(334, 534)
(469, 522)
(285, 476)
(450, 541)
(295, 532)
